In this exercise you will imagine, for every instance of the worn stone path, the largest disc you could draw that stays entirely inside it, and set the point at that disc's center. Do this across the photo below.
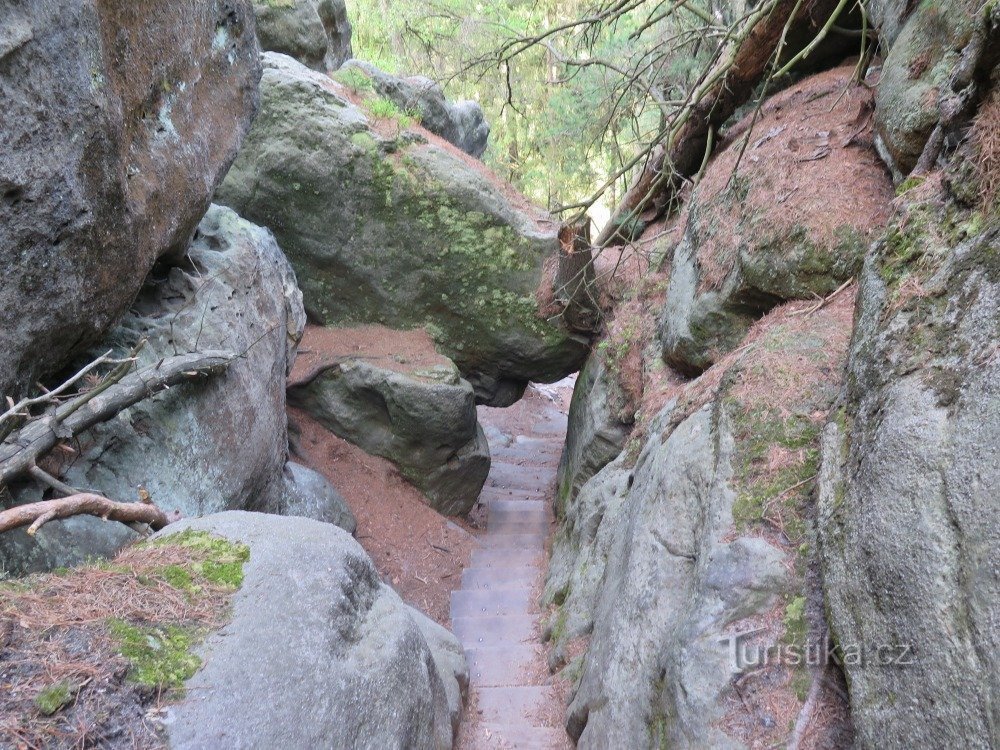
(495, 613)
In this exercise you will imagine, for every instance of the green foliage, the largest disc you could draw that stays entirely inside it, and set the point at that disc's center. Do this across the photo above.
(355, 79)
(217, 560)
(384, 109)
(161, 657)
(566, 115)
(54, 697)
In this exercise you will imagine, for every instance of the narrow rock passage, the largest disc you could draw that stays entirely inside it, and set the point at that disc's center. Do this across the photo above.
(495, 613)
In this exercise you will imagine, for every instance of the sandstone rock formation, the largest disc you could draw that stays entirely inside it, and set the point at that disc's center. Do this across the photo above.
(317, 33)
(118, 123)
(199, 448)
(419, 415)
(911, 466)
(314, 625)
(385, 225)
(462, 123)
(759, 237)
(658, 563)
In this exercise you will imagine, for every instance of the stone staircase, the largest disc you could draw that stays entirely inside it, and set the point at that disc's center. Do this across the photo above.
(495, 613)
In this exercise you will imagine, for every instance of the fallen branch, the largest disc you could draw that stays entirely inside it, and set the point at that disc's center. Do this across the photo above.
(808, 709)
(23, 449)
(39, 514)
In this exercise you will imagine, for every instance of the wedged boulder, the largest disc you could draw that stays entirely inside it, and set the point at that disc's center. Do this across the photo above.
(661, 568)
(916, 75)
(202, 447)
(119, 121)
(596, 432)
(319, 652)
(385, 225)
(461, 123)
(414, 410)
(908, 498)
(317, 33)
(757, 238)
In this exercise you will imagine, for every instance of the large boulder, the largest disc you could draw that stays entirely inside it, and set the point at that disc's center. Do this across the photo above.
(756, 237)
(461, 123)
(119, 120)
(202, 447)
(596, 432)
(314, 32)
(383, 226)
(908, 497)
(418, 414)
(927, 48)
(671, 568)
(319, 652)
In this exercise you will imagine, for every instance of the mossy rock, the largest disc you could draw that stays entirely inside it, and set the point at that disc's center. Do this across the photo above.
(384, 227)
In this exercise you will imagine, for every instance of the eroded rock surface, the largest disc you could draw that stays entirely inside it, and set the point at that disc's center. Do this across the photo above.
(118, 122)
(419, 414)
(658, 563)
(911, 466)
(783, 227)
(383, 226)
(461, 123)
(317, 33)
(202, 447)
(319, 652)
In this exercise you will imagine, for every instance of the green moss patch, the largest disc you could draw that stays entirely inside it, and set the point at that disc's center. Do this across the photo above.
(161, 656)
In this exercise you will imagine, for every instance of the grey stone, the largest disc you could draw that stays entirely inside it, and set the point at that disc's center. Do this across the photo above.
(202, 447)
(915, 74)
(319, 653)
(909, 517)
(309, 495)
(670, 585)
(449, 658)
(116, 125)
(595, 434)
(462, 123)
(314, 32)
(389, 229)
(425, 423)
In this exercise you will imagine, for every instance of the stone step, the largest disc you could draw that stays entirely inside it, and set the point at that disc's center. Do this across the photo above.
(516, 706)
(497, 578)
(506, 511)
(531, 542)
(491, 495)
(488, 602)
(503, 666)
(507, 558)
(488, 632)
(510, 737)
(493, 602)
(514, 525)
(512, 476)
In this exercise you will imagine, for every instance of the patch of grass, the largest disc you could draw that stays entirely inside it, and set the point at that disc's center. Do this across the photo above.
(160, 656)
(385, 109)
(54, 697)
(354, 79)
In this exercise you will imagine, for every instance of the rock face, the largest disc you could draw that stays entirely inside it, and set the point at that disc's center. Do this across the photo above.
(462, 123)
(314, 32)
(756, 239)
(909, 512)
(385, 227)
(205, 447)
(927, 47)
(119, 120)
(314, 625)
(424, 422)
(658, 565)
(595, 435)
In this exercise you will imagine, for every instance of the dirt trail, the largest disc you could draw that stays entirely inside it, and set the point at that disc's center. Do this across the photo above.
(513, 702)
